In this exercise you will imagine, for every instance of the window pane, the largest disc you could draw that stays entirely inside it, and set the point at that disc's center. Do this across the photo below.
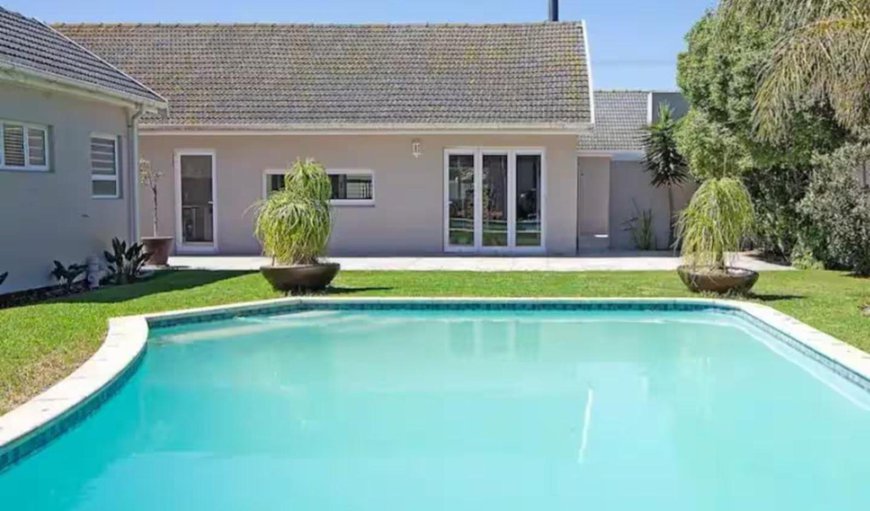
(197, 209)
(13, 145)
(104, 188)
(461, 199)
(495, 231)
(528, 200)
(103, 156)
(276, 183)
(351, 186)
(36, 146)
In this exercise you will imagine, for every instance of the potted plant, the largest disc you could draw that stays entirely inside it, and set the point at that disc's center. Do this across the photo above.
(293, 225)
(158, 246)
(714, 224)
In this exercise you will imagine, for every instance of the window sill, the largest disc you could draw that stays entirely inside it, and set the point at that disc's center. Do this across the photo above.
(352, 203)
(31, 170)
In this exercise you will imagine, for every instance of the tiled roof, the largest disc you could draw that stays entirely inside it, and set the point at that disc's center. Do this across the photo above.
(620, 118)
(345, 75)
(30, 45)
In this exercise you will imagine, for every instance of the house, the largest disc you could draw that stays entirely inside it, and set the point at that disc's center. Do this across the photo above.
(68, 122)
(446, 138)
(439, 139)
(613, 184)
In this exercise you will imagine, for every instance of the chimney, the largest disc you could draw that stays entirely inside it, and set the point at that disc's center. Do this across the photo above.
(554, 10)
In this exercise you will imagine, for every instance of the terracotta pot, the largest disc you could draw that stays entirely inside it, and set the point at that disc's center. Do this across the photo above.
(701, 279)
(300, 278)
(159, 247)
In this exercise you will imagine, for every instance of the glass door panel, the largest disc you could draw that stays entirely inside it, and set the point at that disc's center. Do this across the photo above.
(494, 200)
(460, 215)
(528, 200)
(197, 208)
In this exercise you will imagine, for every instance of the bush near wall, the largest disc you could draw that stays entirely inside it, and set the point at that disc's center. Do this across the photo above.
(837, 205)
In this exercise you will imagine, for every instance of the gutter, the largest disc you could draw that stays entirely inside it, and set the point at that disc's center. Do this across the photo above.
(29, 76)
(133, 165)
(333, 128)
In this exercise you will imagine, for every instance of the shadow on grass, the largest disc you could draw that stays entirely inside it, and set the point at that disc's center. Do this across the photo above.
(352, 290)
(161, 282)
(773, 297)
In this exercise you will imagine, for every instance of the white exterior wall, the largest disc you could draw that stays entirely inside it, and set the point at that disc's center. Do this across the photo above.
(408, 215)
(51, 215)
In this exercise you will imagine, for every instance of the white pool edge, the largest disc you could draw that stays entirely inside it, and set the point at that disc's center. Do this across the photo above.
(127, 337)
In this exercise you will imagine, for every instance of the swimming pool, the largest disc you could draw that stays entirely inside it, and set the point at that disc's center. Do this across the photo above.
(464, 407)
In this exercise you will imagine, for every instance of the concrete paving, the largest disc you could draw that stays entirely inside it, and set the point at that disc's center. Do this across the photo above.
(628, 261)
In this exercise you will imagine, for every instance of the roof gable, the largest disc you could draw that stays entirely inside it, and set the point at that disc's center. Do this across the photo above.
(354, 75)
(31, 46)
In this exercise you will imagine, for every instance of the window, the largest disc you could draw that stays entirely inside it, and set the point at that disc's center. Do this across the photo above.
(351, 187)
(23, 146)
(104, 167)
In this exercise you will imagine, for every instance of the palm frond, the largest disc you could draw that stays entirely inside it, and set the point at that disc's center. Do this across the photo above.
(661, 158)
(715, 222)
(294, 224)
(824, 61)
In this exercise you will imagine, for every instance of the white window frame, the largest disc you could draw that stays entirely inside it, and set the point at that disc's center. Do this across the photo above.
(334, 202)
(478, 153)
(27, 166)
(99, 177)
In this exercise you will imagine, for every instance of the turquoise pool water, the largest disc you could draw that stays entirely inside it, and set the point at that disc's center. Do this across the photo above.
(472, 410)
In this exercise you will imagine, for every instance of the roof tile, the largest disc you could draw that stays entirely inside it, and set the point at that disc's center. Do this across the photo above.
(261, 74)
(30, 44)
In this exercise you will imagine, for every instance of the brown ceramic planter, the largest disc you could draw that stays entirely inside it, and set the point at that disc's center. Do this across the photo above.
(736, 280)
(159, 247)
(300, 278)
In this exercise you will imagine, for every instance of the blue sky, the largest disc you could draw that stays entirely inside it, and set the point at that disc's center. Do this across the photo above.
(634, 43)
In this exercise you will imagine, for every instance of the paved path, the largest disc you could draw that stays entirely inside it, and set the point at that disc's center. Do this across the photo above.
(604, 262)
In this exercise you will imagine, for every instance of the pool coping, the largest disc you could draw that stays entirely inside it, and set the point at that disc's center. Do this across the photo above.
(27, 428)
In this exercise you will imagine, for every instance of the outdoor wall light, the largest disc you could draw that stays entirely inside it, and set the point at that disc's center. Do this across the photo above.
(416, 147)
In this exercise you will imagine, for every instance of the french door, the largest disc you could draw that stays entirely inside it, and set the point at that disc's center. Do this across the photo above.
(493, 200)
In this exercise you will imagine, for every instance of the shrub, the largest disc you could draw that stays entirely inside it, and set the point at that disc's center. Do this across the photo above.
(125, 262)
(715, 222)
(640, 226)
(780, 226)
(294, 224)
(839, 207)
(67, 275)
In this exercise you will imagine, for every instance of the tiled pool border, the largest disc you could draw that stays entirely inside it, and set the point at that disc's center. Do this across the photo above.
(34, 424)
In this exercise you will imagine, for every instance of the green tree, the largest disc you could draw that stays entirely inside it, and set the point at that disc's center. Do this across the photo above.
(719, 76)
(821, 55)
(663, 161)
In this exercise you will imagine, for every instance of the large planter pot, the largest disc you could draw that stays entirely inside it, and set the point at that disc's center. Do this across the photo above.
(710, 280)
(300, 278)
(159, 247)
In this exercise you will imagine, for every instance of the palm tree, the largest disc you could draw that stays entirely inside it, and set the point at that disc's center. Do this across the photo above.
(822, 55)
(663, 161)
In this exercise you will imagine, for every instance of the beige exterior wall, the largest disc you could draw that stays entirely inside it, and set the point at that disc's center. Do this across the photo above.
(408, 215)
(51, 215)
(629, 184)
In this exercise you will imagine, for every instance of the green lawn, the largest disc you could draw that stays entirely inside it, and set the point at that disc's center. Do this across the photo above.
(41, 343)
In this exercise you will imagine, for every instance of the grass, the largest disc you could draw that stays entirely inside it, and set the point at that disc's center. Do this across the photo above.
(41, 343)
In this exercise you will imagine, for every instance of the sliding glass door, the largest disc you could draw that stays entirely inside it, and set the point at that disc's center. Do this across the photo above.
(493, 200)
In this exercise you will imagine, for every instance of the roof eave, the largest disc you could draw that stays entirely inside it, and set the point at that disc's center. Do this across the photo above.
(28, 76)
(364, 128)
